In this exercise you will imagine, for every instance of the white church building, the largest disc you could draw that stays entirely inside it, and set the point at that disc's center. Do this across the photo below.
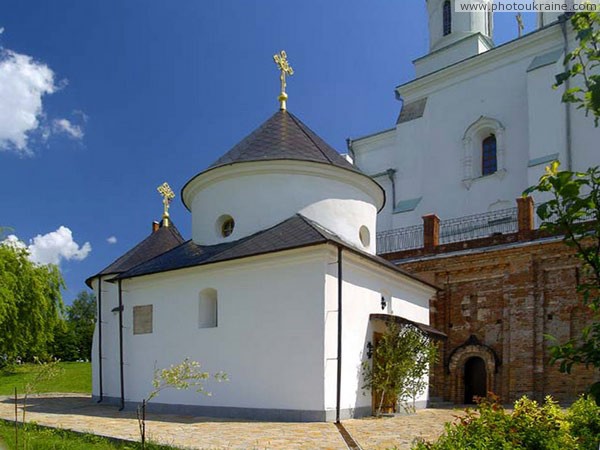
(478, 124)
(279, 287)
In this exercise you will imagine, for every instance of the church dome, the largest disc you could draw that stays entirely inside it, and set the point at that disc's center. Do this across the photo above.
(281, 169)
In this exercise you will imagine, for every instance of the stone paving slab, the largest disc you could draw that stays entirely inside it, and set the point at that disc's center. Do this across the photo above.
(79, 413)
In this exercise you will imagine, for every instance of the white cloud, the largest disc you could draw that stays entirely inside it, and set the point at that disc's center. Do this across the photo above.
(23, 83)
(13, 241)
(65, 126)
(111, 240)
(53, 247)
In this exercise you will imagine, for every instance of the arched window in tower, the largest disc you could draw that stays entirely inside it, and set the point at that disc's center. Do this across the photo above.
(447, 18)
(489, 162)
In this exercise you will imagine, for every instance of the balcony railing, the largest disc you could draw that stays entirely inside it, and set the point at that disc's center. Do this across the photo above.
(451, 230)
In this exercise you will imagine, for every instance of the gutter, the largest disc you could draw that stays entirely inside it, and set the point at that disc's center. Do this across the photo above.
(100, 339)
(121, 346)
(339, 338)
(568, 137)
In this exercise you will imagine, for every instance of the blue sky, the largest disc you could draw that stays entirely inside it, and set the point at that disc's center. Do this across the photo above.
(130, 93)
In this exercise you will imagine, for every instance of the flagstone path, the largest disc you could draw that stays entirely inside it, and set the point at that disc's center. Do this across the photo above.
(79, 413)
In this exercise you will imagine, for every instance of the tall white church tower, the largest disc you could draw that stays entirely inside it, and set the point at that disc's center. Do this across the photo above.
(454, 36)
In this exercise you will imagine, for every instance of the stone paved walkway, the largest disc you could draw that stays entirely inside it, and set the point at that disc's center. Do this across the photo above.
(79, 413)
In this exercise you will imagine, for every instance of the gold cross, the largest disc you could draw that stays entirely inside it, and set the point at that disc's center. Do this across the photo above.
(285, 68)
(167, 194)
(520, 25)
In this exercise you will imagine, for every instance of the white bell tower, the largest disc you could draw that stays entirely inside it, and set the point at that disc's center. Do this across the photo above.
(454, 35)
(447, 26)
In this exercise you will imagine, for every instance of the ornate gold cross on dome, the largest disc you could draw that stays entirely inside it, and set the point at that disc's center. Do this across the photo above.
(167, 194)
(285, 68)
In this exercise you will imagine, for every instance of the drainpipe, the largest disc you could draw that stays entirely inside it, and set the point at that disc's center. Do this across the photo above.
(339, 339)
(121, 346)
(391, 173)
(100, 339)
(563, 26)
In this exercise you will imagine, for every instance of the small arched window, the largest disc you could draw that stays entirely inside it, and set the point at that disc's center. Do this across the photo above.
(489, 162)
(208, 307)
(447, 18)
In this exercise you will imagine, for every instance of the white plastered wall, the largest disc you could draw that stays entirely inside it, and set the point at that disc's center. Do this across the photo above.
(363, 284)
(268, 339)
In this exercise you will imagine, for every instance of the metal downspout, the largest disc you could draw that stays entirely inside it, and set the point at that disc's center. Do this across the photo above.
(100, 339)
(121, 346)
(568, 136)
(339, 339)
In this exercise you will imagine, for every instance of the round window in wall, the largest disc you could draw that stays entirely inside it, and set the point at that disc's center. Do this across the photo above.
(365, 236)
(225, 225)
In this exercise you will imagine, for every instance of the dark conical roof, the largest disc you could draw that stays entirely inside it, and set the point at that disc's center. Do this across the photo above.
(159, 242)
(283, 136)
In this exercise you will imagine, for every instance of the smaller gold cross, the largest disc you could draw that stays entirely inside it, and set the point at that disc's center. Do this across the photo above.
(167, 194)
(520, 25)
(285, 68)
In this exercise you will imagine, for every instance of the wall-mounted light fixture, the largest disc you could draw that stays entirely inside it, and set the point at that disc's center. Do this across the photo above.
(383, 303)
(369, 350)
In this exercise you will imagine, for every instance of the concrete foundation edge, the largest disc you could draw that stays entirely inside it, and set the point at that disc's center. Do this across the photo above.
(264, 414)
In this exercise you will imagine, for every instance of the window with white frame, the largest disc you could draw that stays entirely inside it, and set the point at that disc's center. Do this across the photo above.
(483, 150)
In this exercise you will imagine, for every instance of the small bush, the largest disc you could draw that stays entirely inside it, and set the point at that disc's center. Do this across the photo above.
(531, 426)
(584, 417)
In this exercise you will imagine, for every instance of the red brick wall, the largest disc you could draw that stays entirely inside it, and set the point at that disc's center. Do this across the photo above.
(508, 298)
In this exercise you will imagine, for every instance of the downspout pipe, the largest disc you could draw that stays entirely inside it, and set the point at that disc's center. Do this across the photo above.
(121, 346)
(339, 338)
(568, 132)
(99, 318)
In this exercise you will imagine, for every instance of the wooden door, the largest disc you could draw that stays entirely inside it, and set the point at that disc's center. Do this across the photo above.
(475, 379)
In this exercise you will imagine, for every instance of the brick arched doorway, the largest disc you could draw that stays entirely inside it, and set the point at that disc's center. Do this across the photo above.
(475, 379)
(473, 364)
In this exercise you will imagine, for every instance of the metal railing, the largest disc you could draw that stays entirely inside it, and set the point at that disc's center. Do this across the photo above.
(478, 225)
(400, 239)
(452, 230)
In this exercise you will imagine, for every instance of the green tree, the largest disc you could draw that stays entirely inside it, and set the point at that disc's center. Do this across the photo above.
(400, 361)
(73, 337)
(30, 304)
(573, 211)
(582, 64)
(81, 318)
(574, 206)
(185, 375)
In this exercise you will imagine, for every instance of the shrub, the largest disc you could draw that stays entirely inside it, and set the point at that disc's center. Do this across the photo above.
(531, 426)
(584, 418)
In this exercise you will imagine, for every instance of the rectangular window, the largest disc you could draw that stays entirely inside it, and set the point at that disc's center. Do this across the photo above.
(142, 319)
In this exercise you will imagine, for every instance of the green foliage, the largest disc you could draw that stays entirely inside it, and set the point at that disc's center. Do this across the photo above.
(583, 63)
(30, 304)
(72, 377)
(185, 375)
(73, 337)
(584, 417)
(42, 438)
(530, 426)
(573, 210)
(400, 361)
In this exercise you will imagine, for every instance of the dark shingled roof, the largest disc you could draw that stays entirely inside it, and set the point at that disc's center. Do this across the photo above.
(295, 232)
(160, 241)
(283, 136)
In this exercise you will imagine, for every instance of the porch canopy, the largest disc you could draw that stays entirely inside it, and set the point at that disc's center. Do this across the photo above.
(427, 329)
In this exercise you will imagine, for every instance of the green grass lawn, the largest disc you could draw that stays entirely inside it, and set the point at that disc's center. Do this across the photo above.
(74, 377)
(40, 438)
